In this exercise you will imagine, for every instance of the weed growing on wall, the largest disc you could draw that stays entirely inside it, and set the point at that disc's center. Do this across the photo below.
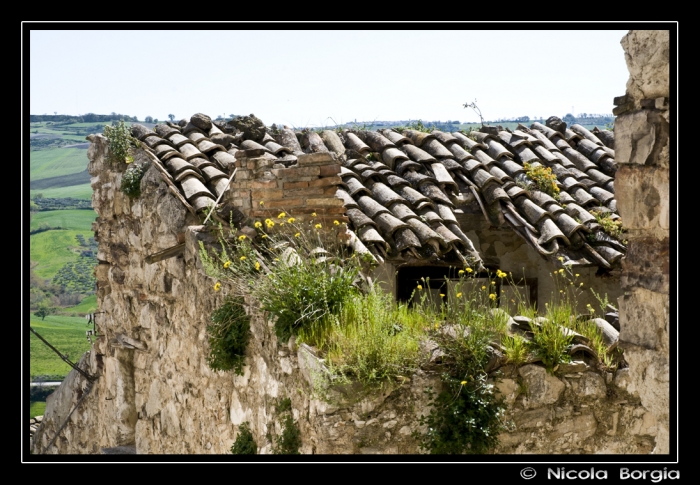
(244, 443)
(299, 272)
(131, 179)
(611, 225)
(120, 143)
(229, 332)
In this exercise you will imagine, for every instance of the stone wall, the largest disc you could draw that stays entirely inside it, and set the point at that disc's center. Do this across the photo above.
(154, 393)
(642, 190)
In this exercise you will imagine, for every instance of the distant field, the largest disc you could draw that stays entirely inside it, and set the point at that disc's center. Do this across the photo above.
(51, 251)
(56, 162)
(82, 191)
(37, 408)
(88, 305)
(76, 220)
(67, 334)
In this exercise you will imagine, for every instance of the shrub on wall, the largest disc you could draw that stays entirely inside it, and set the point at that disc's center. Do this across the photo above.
(229, 332)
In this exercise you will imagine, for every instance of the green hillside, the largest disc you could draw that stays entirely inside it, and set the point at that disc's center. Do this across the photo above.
(76, 220)
(56, 162)
(82, 191)
(67, 334)
(51, 250)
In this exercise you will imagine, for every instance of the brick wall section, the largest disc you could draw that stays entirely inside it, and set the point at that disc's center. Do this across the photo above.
(261, 191)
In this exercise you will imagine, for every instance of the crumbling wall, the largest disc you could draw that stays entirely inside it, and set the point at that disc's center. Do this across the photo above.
(154, 393)
(642, 190)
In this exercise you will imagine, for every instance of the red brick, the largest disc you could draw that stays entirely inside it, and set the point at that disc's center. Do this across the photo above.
(296, 185)
(323, 182)
(330, 170)
(268, 194)
(296, 172)
(330, 191)
(284, 203)
(325, 202)
(311, 192)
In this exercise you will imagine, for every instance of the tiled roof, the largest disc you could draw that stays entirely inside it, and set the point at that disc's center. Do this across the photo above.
(404, 191)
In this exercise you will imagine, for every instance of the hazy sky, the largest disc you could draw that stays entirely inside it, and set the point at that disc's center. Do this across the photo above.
(314, 77)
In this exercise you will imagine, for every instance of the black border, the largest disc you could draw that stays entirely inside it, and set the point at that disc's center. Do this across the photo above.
(506, 469)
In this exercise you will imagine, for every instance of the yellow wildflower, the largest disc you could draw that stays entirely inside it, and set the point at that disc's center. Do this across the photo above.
(281, 223)
(492, 296)
(469, 270)
(281, 215)
(241, 237)
(318, 226)
(264, 236)
(493, 283)
(227, 264)
(217, 286)
(291, 220)
(336, 223)
(257, 266)
(436, 325)
(483, 287)
(419, 287)
(500, 273)
(297, 234)
(442, 295)
(555, 272)
(581, 284)
(258, 224)
(561, 271)
(242, 258)
(561, 258)
(577, 275)
(464, 383)
(261, 203)
(459, 295)
(461, 272)
(313, 214)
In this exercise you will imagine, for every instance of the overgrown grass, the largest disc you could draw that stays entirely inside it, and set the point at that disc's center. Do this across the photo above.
(67, 334)
(229, 332)
(371, 339)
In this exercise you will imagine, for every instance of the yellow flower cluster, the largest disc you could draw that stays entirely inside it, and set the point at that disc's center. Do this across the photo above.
(257, 266)
(419, 287)
(544, 178)
(242, 258)
(291, 220)
(281, 215)
(217, 286)
(459, 295)
(258, 224)
(336, 223)
(318, 226)
(269, 223)
(227, 264)
(492, 296)
(500, 273)
(241, 237)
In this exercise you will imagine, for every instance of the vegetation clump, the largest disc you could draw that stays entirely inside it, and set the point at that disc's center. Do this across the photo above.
(229, 333)
(544, 179)
(244, 443)
(131, 179)
(611, 225)
(121, 143)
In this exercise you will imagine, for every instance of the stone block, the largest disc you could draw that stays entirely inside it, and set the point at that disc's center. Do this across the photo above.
(643, 199)
(644, 319)
(646, 264)
(640, 138)
(294, 173)
(319, 158)
(647, 57)
(542, 387)
(582, 426)
(534, 418)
